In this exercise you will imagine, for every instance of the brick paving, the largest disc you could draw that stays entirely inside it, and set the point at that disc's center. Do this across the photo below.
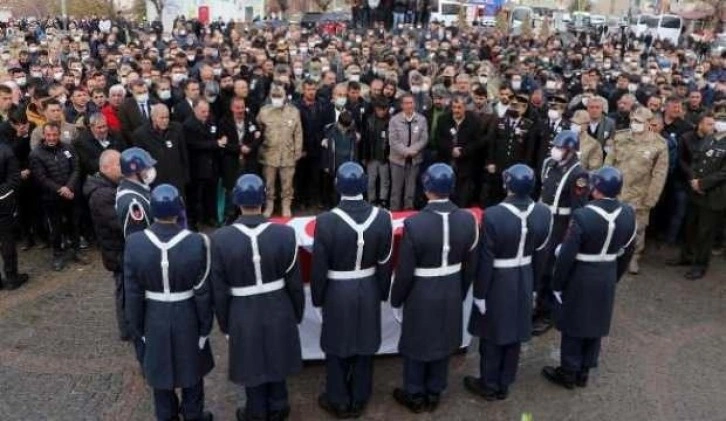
(60, 358)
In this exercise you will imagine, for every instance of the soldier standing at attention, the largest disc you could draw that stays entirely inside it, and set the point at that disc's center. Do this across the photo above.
(259, 301)
(593, 256)
(513, 247)
(351, 276)
(642, 158)
(564, 189)
(436, 264)
(169, 306)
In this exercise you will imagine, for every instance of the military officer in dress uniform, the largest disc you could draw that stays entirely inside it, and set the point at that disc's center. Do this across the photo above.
(642, 156)
(564, 188)
(351, 276)
(544, 132)
(132, 195)
(259, 301)
(593, 256)
(512, 249)
(508, 146)
(436, 264)
(169, 306)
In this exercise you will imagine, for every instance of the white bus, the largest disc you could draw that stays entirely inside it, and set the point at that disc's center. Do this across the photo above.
(520, 14)
(644, 23)
(669, 28)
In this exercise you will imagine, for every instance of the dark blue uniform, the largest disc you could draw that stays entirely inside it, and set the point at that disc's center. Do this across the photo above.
(351, 276)
(565, 187)
(169, 304)
(259, 302)
(594, 255)
(436, 265)
(512, 251)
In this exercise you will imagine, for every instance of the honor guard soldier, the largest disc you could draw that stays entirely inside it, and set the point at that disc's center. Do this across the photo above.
(545, 131)
(132, 195)
(169, 306)
(642, 156)
(351, 276)
(512, 250)
(259, 301)
(593, 256)
(436, 264)
(564, 188)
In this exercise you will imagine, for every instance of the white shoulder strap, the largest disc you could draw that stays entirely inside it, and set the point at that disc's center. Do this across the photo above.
(561, 186)
(522, 215)
(446, 239)
(610, 218)
(164, 247)
(359, 229)
(252, 234)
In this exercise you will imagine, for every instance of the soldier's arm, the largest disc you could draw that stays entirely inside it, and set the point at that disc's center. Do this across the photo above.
(541, 252)
(566, 258)
(610, 147)
(134, 304)
(220, 286)
(595, 160)
(202, 290)
(658, 177)
(469, 269)
(403, 282)
(626, 253)
(297, 136)
(293, 278)
(320, 259)
(579, 190)
(485, 269)
(385, 251)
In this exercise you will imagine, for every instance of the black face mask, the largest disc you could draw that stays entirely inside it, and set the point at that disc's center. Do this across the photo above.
(448, 81)
(513, 113)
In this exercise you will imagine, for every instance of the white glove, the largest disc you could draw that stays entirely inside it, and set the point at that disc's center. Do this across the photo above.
(398, 314)
(558, 296)
(481, 304)
(202, 341)
(143, 339)
(319, 312)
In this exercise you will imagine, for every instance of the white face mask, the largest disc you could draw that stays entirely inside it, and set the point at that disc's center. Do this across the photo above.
(415, 89)
(483, 80)
(178, 77)
(553, 114)
(557, 154)
(340, 102)
(551, 85)
(632, 87)
(164, 95)
(637, 127)
(58, 76)
(141, 98)
(62, 99)
(148, 176)
(297, 71)
(720, 126)
(516, 85)
(21, 81)
(277, 102)
(575, 128)
(354, 78)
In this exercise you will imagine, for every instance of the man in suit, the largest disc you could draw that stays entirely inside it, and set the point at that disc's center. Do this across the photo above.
(600, 127)
(91, 144)
(134, 112)
(183, 109)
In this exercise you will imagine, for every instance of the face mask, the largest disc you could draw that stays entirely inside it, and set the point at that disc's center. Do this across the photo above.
(637, 127)
(297, 71)
(607, 65)
(516, 85)
(164, 94)
(217, 72)
(550, 85)
(632, 87)
(575, 128)
(190, 57)
(21, 81)
(148, 82)
(720, 126)
(58, 76)
(141, 98)
(483, 80)
(645, 79)
(557, 154)
(36, 74)
(211, 99)
(354, 78)
(148, 176)
(340, 102)
(553, 114)
(178, 77)
(415, 89)
(62, 99)
(277, 102)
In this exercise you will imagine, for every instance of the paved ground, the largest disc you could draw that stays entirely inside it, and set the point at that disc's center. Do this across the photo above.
(60, 359)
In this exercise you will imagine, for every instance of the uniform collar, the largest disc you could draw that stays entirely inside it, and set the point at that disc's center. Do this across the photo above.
(136, 184)
(251, 220)
(441, 205)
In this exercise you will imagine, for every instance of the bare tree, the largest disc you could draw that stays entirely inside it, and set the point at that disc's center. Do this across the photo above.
(323, 4)
(159, 6)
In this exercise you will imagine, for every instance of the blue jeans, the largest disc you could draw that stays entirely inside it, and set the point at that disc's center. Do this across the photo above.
(679, 201)
(398, 18)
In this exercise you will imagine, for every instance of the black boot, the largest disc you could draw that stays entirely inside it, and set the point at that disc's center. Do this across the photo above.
(338, 411)
(414, 403)
(559, 376)
(541, 326)
(432, 401)
(15, 281)
(356, 409)
(243, 415)
(581, 378)
(475, 386)
(281, 415)
(502, 393)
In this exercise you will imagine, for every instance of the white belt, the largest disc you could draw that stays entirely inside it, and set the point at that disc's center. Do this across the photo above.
(438, 271)
(351, 274)
(513, 262)
(596, 257)
(559, 211)
(257, 289)
(169, 297)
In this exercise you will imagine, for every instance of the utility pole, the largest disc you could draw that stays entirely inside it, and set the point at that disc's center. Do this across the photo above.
(64, 14)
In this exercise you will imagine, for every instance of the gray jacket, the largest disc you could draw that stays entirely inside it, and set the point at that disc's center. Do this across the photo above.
(398, 138)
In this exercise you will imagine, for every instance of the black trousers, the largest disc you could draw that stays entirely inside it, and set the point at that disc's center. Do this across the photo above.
(348, 380)
(266, 398)
(202, 205)
(498, 364)
(702, 225)
(62, 223)
(425, 377)
(308, 182)
(166, 403)
(119, 300)
(8, 248)
(30, 214)
(492, 190)
(579, 354)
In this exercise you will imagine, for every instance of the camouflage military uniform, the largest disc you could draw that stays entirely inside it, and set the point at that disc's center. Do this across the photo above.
(591, 156)
(643, 160)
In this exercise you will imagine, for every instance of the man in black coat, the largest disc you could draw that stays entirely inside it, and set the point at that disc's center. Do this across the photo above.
(204, 147)
(100, 189)
(135, 111)
(55, 167)
(164, 141)
(461, 140)
(9, 183)
(93, 142)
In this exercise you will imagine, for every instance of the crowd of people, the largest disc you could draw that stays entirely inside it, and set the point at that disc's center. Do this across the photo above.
(196, 108)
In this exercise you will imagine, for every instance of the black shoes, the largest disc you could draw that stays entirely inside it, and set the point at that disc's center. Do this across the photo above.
(581, 378)
(432, 402)
(559, 377)
(415, 403)
(73, 256)
(338, 411)
(474, 385)
(242, 415)
(695, 273)
(29, 244)
(14, 282)
(279, 415)
(541, 326)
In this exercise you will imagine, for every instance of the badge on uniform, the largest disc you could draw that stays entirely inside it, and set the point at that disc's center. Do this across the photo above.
(67, 154)
(168, 144)
(213, 129)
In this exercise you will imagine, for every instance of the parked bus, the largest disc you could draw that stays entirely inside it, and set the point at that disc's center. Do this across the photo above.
(645, 22)
(669, 28)
(520, 14)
